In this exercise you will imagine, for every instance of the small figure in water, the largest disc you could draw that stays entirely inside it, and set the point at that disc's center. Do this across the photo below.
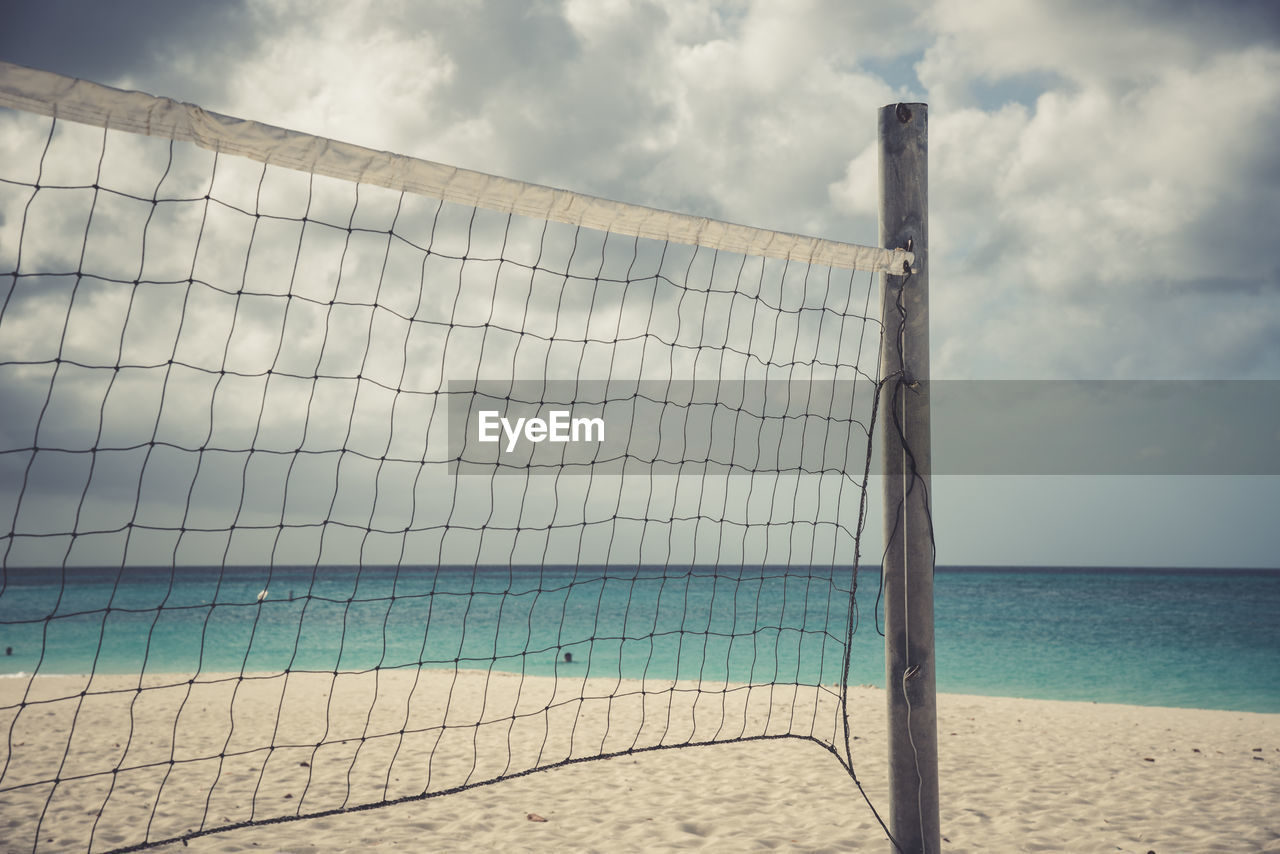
(8, 650)
(568, 658)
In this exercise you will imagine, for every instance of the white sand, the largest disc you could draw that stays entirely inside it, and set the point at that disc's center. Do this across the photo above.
(1015, 775)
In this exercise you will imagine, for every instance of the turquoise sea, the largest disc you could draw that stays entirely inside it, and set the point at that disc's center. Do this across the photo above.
(1192, 638)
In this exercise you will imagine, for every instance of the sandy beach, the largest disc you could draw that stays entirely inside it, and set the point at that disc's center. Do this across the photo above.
(1015, 775)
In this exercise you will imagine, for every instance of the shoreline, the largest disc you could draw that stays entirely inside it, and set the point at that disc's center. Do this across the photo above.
(169, 678)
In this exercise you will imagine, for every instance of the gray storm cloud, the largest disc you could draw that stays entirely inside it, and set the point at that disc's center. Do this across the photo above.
(1101, 184)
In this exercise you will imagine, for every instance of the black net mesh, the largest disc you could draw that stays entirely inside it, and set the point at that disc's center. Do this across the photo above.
(258, 564)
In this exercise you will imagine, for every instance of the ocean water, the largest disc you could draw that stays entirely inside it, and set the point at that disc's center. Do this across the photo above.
(1193, 638)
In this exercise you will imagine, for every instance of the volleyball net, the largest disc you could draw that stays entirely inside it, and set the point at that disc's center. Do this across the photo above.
(332, 478)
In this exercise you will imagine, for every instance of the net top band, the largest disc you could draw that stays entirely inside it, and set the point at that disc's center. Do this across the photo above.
(82, 101)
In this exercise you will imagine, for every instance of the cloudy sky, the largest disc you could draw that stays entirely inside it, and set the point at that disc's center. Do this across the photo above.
(1103, 177)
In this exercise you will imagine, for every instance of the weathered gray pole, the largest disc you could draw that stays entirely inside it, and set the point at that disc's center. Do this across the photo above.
(909, 555)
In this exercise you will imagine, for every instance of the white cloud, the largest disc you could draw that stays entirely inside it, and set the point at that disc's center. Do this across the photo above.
(342, 70)
(1094, 208)
(1117, 46)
